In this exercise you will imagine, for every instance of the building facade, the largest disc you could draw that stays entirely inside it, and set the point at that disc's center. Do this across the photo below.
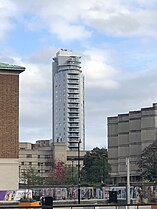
(38, 156)
(68, 100)
(128, 135)
(9, 125)
(42, 153)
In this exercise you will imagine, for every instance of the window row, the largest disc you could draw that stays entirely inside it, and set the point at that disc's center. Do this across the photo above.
(38, 156)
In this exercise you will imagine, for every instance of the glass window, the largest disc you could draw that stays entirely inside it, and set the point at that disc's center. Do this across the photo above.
(47, 156)
(29, 156)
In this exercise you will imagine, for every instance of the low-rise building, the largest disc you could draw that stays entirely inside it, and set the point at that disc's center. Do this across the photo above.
(43, 153)
(128, 135)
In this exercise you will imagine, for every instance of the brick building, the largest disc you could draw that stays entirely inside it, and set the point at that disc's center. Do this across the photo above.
(9, 125)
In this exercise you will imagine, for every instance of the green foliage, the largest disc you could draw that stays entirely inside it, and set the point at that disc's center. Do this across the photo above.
(147, 163)
(71, 176)
(27, 199)
(94, 172)
(30, 176)
(62, 175)
(96, 168)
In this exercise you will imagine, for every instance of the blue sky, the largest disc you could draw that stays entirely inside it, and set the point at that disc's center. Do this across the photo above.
(117, 42)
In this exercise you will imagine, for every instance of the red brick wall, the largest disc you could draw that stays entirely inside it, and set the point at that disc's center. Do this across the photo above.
(9, 116)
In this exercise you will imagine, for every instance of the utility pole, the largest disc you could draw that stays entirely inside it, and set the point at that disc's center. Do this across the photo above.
(128, 179)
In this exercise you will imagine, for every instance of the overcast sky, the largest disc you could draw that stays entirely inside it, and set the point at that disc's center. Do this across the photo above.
(117, 40)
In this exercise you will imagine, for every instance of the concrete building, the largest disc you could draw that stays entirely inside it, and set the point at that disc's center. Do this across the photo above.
(68, 100)
(9, 125)
(128, 135)
(41, 154)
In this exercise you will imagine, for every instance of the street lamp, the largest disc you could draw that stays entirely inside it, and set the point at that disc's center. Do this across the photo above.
(78, 171)
(103, 168)
(72, 170)
(41, 166)
(78, 181)
(19, 174)
(128, 180)
(154, 162)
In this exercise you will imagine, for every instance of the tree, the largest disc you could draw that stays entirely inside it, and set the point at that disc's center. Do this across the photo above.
(96, 168)
(62, 174)
(30, 176)
(59, 171)
(71, 176)
(147, 162)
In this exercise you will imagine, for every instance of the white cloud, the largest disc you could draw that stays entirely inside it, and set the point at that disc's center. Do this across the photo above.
(97, 71)
(120, 18)
(108, 91)
(35, 99)
(136, 90)
(7, 10)
(127, 92)
(75, 20)
(60, 18)
(113, 17)
(68, 32)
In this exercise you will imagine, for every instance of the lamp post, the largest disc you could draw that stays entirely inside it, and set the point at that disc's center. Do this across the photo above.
(128, 180)
(72, 170)
(154, 162)
(78, 181)
(41, 164)
(78, 171)
(19, 174)
(103, 168)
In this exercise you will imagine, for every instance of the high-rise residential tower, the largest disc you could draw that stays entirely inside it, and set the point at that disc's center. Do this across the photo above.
(68, 100)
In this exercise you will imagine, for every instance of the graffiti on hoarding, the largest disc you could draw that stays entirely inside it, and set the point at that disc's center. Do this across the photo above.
(70, 193)
(121, 192)
(22, 194)
(14, 195)
(140, 195)
(7, 195)
(106, 192)
(87, 193)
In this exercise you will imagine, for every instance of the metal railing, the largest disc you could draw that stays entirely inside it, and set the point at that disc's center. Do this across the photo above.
(83, 206)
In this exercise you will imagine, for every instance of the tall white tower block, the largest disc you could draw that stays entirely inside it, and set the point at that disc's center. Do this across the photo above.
(68, 100)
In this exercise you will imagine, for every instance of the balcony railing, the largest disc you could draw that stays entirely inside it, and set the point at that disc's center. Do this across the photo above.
(73, 105)
(72, 124)
(73, 81)
(73, 100)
